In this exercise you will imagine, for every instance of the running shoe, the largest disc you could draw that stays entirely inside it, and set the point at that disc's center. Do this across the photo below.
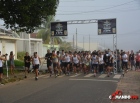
(94, 74)
(1, 84)
(55, 75)
(36, 78)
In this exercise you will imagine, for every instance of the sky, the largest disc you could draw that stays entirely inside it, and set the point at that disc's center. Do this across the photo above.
(126, 12)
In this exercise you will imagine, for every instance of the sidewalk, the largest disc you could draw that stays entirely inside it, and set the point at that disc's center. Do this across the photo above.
(130, 85)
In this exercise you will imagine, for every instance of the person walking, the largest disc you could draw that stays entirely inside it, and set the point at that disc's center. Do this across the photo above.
(2, 58)
(12, 64)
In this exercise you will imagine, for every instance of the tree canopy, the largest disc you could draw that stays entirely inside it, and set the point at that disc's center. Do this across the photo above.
(26, 15)
(45, 33)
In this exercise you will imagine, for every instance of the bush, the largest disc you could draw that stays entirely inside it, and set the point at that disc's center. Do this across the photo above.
(20, 55)
(18, 63)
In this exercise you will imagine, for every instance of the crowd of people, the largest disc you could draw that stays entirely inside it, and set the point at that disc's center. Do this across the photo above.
(63, 62)
(96, 62)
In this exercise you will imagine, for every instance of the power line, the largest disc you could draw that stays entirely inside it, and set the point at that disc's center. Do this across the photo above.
(128, 8)
(99, 9)
(75, 0)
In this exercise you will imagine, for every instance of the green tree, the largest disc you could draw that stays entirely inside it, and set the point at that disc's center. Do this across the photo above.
(26, 15)
(45, 33)
(66, 46)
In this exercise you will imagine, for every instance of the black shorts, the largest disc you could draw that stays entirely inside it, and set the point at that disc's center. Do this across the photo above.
(76, 65)
(36, 66)
(1, 69)
(137, 63)
(49, 64)
(54, 65)
(62, 64)
(107, 64)
(67, 63)
(94, 66)
(111, 65)
(27, 65)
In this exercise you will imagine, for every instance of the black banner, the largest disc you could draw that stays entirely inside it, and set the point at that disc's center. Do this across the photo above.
(59, 29)
(107, 26)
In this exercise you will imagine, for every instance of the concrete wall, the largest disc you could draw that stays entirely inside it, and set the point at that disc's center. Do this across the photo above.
(30, 45)
(46, 47)
(93, 46)
(6, 46)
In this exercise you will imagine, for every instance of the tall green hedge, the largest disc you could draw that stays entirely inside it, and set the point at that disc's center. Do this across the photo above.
(20, 55)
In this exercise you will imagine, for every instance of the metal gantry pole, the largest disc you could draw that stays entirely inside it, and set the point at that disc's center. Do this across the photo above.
(115, 52)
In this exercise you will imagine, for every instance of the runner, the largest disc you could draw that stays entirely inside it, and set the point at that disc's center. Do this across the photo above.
(27, 60)
(36, 62)
(125, 61)
(95, 60)
(67, 63)
(81, 66)
(48, 57)
(71, 67)
(62, 58)
(106, 61)
(137, 61)
(111, 62)
(129, 65)
(132, 59)
(85, 63)
(101, 63)
(76, 63)
(55, 63)
(119, 62)
(58, 64)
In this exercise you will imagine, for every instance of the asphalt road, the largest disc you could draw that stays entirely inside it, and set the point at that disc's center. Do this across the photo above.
(63, 89)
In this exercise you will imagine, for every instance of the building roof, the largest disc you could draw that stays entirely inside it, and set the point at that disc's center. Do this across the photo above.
(33, 35)
(9, 34)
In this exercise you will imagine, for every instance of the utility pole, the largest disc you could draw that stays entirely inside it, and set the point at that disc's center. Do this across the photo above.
(73, 41)
(76, 39)
(89, 42)
(83, 43)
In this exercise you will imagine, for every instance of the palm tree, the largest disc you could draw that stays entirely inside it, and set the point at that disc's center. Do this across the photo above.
(45, 33)
(66, 46)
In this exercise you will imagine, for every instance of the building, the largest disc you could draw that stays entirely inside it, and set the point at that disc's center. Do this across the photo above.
(48, 46)
(8, 42)
(28, 44)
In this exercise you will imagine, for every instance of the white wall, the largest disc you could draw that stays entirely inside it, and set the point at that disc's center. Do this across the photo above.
(9, 47)
(1, 46)
(93, 46)
(44, 50)
(6, 46)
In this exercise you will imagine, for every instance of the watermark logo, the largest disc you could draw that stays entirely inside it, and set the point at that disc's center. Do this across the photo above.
(118, 95)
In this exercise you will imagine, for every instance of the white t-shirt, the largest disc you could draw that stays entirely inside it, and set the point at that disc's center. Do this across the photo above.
(101, 60)
(36, 60)
(0, 63)
(75, 59)
(94, 60)
(67, 58)
(124, 57)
